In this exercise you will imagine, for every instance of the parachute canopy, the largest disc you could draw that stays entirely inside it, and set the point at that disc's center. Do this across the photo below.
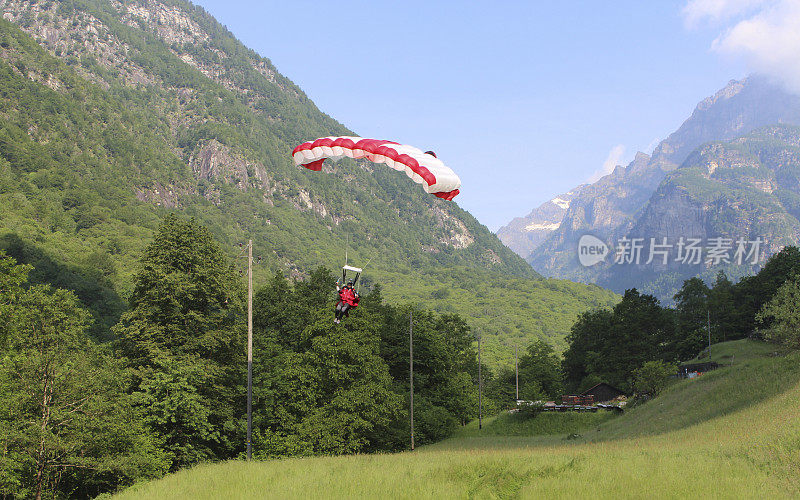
(423, 168)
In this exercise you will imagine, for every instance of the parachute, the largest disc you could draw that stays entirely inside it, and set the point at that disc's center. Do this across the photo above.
(421, 167)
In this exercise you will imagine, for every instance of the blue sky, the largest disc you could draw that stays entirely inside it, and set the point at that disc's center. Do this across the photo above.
(525, 100)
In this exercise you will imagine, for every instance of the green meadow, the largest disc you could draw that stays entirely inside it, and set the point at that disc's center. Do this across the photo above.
(731, 433)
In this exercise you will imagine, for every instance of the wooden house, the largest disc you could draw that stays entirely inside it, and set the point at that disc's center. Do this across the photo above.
(603, 392)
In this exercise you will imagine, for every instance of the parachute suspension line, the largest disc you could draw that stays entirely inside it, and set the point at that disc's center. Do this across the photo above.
(344, 269)
(355, 282)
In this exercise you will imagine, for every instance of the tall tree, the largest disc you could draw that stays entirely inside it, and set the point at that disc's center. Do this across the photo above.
(12, 278)
(692, 316)
(608, 345)
(752, 292)
(540, 372)
(183, 335)
(586, 340)
(325, 388)
(723, 308)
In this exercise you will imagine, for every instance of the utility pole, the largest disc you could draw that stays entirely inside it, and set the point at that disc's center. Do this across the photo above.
(480, 387)
(411, 369)
(708, 328)
(516, 370)
(249, 348)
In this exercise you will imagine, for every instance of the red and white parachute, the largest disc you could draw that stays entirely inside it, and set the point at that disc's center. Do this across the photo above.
(423, 168)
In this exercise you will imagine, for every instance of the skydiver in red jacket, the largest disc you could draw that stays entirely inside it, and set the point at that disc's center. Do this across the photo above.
(348, 299)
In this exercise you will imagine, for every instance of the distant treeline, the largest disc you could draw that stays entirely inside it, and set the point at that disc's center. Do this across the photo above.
(607, 345)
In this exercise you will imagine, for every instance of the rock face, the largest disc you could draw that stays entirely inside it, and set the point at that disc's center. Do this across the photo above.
(734, 111)
(215, 161)
(614, 205)
(524, 234)
(744, 190)
(602, 209)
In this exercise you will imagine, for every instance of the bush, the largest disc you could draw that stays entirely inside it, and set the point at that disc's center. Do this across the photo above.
(651, 378)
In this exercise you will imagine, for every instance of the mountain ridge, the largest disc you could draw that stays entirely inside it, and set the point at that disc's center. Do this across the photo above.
(610, 207)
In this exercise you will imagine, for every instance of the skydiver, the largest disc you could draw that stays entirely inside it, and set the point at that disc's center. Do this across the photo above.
(348, 299)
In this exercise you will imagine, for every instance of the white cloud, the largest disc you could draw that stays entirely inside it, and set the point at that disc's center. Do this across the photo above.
(613, 159)
(765, 33)
(696, 11)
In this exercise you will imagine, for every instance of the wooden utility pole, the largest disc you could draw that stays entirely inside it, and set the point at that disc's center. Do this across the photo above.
(516, 370)
(411, 368)
(249, 348)
(480, 387)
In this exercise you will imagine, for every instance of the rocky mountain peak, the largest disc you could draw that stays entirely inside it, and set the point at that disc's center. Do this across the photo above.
(611, 206)
(524, 234)
(731, 89)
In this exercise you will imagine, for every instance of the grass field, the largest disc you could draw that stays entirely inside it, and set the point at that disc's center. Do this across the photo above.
(543, 424)
(736, 351)
(732, 433)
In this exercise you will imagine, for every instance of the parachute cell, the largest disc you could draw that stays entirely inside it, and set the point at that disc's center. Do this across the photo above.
(423, 168)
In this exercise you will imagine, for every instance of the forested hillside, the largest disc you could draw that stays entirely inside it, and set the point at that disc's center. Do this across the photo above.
(116, 114)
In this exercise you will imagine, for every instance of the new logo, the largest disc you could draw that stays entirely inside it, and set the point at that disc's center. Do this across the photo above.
(591, 250)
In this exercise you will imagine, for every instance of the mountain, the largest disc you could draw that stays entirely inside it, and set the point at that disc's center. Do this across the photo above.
(117, 113)
(524, 234)
(746, 189)
(610, 207)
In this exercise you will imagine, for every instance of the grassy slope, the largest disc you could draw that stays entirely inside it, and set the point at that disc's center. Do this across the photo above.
(732, 433)
(735, 351)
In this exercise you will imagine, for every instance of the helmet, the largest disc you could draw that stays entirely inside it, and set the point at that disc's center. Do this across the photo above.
(349, 282)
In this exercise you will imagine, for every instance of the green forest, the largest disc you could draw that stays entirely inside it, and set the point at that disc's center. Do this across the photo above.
(609, 345)
(79, 417)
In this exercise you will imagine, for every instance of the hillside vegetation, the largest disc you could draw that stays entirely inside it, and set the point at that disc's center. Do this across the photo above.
(116, 114)
(731, 434)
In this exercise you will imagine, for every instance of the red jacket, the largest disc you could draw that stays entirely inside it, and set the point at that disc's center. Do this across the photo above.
(348, 296)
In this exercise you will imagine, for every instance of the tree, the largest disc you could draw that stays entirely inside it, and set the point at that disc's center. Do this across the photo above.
(586, 339)
(539, 372)
(609, 345)
(691, 313)
(323, 388)
(639, 330)
(752, 292)
(67, 427)
(355, 401)
(651, 378)
(723, 309)
(783, 315)
(12, 278)
(183, 336)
